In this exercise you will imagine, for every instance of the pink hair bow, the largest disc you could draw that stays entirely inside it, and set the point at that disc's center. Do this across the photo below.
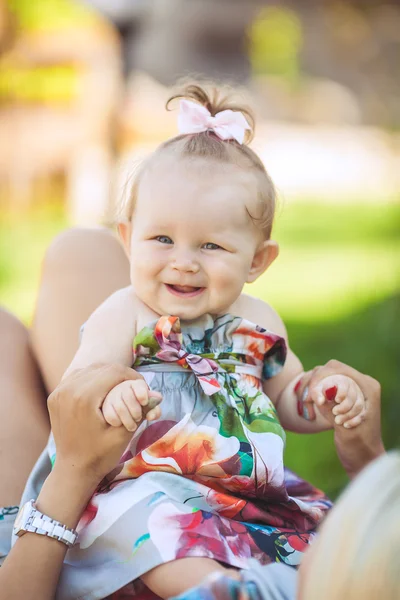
(227, 124)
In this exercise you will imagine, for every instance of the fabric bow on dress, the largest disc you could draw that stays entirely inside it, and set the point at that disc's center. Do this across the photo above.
(169, 337)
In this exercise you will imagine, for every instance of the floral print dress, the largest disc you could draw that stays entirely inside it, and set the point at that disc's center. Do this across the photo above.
(205, 480)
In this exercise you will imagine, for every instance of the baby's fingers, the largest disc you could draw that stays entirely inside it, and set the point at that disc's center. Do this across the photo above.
(349, 400)
(331, 388)
(354, 421)
(110, 415)
(345, 405)
(345, 393)
(154, 414)
(141, 400)
(132, 404)
(143, 393)
(124, 413)
(355, 415)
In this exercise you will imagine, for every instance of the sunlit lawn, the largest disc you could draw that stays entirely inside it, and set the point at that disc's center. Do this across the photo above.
(23, 241)
(336, 284)
(333, 260)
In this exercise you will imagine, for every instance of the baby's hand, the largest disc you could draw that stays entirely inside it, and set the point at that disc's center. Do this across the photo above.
(129, 403)
(349, 410)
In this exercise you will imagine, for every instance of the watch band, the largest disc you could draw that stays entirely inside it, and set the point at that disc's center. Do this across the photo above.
(37, 522)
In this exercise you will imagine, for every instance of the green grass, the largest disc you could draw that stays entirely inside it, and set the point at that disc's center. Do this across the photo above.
(369, 340)
(336, 284)
(23, 242)
(333, 260)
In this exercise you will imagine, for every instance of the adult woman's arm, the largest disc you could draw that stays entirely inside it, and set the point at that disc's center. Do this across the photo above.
(359, 446)
(87, 449)
(32, 568)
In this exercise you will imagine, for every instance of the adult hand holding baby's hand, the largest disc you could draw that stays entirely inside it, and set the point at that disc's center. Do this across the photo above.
(129, 403)
(87, 447)
(338, 397)
(345, 397)
(356, 446)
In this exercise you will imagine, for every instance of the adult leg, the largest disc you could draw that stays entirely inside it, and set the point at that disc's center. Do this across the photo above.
(177, 577)
(24, 423)
(82, 267)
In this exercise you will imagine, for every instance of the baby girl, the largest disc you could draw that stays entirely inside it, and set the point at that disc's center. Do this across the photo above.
(202, 486)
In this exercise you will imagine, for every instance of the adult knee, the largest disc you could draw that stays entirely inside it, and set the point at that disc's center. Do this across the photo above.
(13, 334)
(82, 249)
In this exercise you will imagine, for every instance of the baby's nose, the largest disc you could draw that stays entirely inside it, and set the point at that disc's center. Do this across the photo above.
(185, 263)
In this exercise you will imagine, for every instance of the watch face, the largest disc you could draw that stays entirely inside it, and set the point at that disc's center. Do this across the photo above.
(22, 517)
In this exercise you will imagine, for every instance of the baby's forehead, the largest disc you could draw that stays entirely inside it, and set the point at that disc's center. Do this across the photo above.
(173, 163)
(195, 184)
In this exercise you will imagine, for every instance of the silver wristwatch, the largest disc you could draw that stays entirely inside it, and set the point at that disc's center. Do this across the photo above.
(30, 519)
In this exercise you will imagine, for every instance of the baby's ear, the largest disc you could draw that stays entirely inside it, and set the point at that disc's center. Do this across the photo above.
(265, 255)
(125, 231)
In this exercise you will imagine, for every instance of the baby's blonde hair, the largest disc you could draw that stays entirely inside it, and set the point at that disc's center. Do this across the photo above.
(358, 553)
(207, 145)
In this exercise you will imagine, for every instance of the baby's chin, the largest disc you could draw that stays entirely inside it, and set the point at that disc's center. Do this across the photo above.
(186, 311)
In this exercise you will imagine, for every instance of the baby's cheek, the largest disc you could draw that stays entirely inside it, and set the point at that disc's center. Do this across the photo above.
(228, 285)
(225, 278)
(143, 273)
(233, 272)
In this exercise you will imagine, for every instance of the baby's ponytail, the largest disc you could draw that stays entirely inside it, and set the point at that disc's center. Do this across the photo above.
(215, 100)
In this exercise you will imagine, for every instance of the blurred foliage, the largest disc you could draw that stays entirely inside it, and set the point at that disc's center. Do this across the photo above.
(334, 259)
(368, 340)
(21, 80)
(275, 40)
(336, 285)
(38, 84)
(44, 15)
(24, 238)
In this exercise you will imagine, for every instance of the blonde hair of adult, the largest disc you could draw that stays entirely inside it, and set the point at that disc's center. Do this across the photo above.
(357, 555)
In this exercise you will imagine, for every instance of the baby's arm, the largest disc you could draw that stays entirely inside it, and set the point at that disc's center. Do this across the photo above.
(107, 338)
(344, 395)
(108, 333)
(282, 391)
(283, 388)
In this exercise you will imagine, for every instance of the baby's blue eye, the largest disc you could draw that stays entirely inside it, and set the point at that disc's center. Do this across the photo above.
(211, 246)
(164, 239)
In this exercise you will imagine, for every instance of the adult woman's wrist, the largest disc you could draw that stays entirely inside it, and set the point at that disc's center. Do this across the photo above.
(65, 494)
(84, 477)
(369, 456)
(356, 452)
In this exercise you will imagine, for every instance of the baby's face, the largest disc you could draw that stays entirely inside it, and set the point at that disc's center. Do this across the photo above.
(192, 241)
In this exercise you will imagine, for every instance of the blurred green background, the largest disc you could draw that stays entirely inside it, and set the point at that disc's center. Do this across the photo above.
(82, 92)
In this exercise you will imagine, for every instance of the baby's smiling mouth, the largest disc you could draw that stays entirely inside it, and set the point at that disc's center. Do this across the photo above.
(186, 291)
